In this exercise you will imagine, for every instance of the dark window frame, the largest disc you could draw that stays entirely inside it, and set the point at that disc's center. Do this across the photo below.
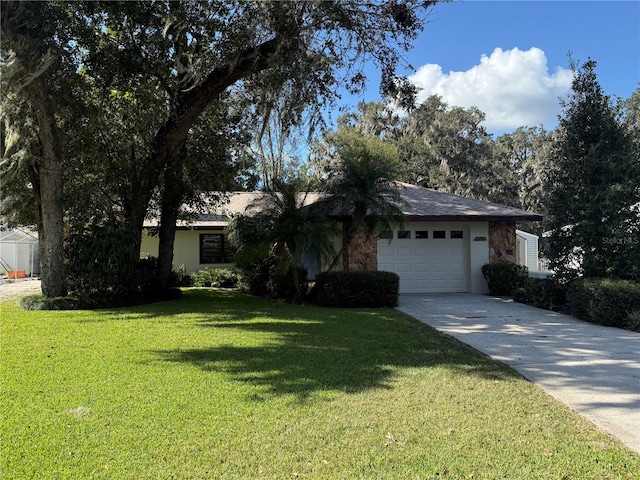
(209, 255)
(439, 234)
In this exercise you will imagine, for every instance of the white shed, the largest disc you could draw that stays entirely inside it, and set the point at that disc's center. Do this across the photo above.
(19, 252)
(527, 250)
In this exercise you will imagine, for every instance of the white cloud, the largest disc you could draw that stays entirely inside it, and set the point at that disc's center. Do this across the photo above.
(513, 88)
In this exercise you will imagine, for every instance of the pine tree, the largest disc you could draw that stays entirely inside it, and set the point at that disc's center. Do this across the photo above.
(593, 186)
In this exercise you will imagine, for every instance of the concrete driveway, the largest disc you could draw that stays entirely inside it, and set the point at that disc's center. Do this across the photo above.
(592, 369)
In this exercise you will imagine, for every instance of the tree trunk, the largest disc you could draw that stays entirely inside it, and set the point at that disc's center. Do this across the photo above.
(168, 142)
(346, 243)
(135, 211)
(166, 155)
(49, 194)
(171, 201)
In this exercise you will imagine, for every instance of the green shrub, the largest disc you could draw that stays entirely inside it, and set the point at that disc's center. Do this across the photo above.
(179, 278)
(604, 301)
(579, 298)
(268, 277)
(503, 278)
(40, 302)
(104, 259)
(215, 277)
(95, 301)
(546, 293)
(356, 289)
(634, 321)
(255, 275)
(282, 283)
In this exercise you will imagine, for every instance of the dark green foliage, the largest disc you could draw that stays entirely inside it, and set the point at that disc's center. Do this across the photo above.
(215, 277)
(287, 284)
(268, 277)
(103, 259)
(634, 321)
(447, 148)
(40, 302)
(273, 235)
(96, 301)
(593, 187)
(360, 183)
(179, 278)
(103, 263)
(579, 298)
(255, 275)
(356, 289)
(605, 301)
(546, 293)
(503, 278)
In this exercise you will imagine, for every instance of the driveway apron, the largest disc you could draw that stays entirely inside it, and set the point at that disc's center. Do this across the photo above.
(592, 369)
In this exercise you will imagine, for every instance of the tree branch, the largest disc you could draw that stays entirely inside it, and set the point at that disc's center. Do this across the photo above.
(192, 103)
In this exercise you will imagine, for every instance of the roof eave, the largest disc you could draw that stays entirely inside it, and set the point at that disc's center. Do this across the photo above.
(474, 218)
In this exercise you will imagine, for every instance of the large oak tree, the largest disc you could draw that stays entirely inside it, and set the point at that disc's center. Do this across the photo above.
(175, 60)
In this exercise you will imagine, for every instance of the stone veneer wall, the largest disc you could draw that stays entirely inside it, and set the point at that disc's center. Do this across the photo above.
(502, 242)
(362, 254)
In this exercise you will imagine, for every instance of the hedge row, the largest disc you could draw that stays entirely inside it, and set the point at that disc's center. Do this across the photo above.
(96, 301)
(605, 301)
(504, 278)
(356, 289)
(545, 293)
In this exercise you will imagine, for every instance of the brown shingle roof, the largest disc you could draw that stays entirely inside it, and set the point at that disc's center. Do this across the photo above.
(426, 204)
(420, 204)
(218, 214)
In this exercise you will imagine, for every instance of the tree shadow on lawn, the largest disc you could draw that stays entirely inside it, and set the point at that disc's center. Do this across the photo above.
(291, 349)
(197, 301)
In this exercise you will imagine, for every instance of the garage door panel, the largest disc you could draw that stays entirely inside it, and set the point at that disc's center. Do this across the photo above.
(422, 285)
(420, 267)
(403, 267)
(441, 268)
(427, 265)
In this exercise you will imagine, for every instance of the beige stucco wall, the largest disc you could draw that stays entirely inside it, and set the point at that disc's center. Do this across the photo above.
(488, 241)
(478, 256)
(186, 249)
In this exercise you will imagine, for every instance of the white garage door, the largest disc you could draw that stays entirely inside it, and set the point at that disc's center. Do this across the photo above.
(429, 258)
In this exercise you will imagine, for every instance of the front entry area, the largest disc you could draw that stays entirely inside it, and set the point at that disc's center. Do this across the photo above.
(428, 257)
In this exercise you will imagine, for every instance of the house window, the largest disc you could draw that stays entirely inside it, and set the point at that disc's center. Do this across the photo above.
(422, 233)
(457, 234)
(387, 234)
(439, 234)
(214, 248)
(404, 234)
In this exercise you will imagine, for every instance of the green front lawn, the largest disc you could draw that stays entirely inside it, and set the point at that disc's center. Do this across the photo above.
(225, 386)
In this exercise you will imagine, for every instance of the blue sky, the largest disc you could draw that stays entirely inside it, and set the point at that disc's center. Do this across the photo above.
(509, 58)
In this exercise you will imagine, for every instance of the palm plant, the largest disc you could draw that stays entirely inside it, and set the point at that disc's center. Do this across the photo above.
(361, 187)
(285, 222)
